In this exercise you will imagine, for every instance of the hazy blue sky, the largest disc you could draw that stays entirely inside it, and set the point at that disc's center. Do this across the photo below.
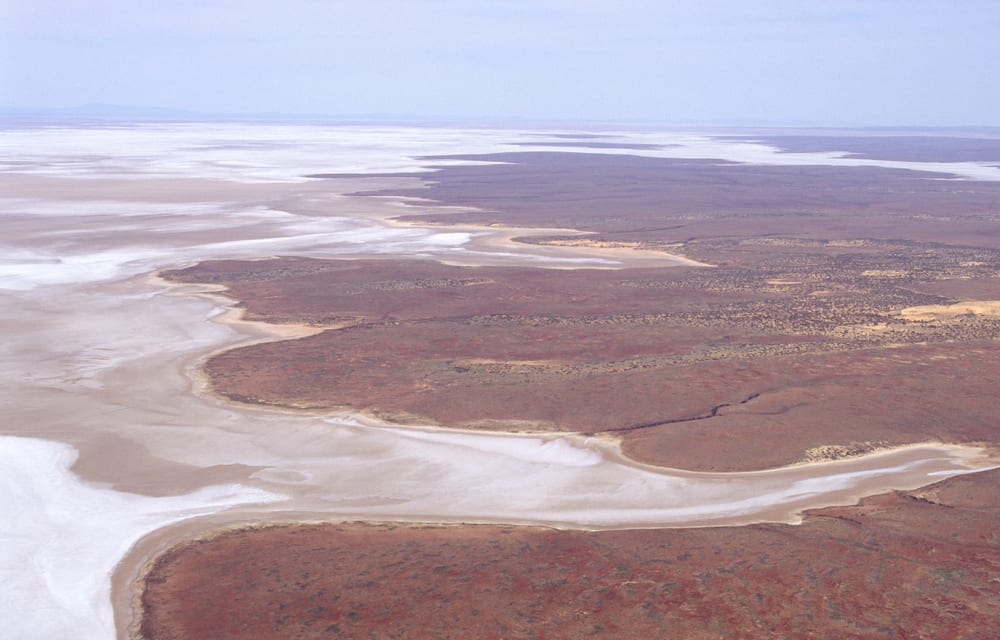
(905, 62)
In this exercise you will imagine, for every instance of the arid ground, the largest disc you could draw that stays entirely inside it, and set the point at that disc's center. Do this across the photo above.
(830, 324)
(292, 379)
(918, 564)
(847, 309)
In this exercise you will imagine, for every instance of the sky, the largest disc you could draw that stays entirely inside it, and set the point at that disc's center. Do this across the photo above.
(805, 62)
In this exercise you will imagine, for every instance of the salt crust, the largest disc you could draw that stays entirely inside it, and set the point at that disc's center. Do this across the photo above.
(91, 353)
(61, 538)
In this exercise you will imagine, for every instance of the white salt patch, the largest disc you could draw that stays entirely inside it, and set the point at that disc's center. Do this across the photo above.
(963, 472)
(555, 451)
(280, 153)
(60, 539)
(700, 147)
(286, 153)
(448, 239)
(108, 359)
(117, 208)
(553, 259)
(22, 271)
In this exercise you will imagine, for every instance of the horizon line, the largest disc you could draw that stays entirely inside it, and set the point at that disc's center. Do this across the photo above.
(103, 112)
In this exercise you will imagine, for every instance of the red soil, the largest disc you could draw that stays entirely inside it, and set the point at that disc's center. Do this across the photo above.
(920, 564)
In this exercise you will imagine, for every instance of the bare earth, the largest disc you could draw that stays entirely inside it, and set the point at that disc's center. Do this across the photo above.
(689, 374)
(919, 564)
(849, 310)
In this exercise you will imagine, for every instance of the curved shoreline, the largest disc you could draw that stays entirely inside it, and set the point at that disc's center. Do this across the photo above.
(167, 449)
(128, 575)
(285, 575)
(260, 332)
(130, 571)
(491, 237)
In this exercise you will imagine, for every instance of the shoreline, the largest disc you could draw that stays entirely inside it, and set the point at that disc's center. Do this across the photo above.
(128, 578)
(501, 236)
(260, 332)
(129, 573)
(81, 386)
(556, 571)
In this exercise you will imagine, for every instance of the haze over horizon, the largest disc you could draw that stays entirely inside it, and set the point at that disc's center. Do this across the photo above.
(847, 62)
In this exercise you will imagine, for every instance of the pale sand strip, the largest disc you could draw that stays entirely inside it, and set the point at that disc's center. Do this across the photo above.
(498, 241)
(900, 468)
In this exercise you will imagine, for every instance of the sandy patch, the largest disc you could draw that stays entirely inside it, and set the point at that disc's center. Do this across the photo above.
(932, 312)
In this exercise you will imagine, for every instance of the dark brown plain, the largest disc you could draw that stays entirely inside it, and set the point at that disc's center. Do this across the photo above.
(795, 347)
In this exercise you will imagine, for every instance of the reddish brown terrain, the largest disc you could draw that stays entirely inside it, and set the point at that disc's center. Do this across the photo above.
(920, 564)
(850, 309)
(693, 367)
(720, 212)
(919, 148)
(796, 340)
